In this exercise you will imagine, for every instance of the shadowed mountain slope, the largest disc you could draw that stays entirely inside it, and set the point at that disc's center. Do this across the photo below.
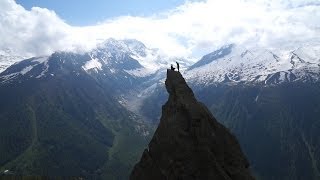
(189, 143)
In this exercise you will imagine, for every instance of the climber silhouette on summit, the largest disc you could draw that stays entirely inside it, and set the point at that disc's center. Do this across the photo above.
(178, 66)
(172, 68)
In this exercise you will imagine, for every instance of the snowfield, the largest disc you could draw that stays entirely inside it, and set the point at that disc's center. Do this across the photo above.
(260, 66)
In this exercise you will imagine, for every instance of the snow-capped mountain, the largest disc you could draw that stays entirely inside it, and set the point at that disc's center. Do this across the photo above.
(268, 98)
(65, 105)
(151, 60)
(7, 58)
(236, 64)
(130, 58)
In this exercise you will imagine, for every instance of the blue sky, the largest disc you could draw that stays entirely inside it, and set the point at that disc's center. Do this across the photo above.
(89, 12)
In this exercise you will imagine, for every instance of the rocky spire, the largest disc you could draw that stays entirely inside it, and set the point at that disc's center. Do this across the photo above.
(189, 143)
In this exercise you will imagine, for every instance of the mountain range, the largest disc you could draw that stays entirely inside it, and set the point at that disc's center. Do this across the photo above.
(103, 105)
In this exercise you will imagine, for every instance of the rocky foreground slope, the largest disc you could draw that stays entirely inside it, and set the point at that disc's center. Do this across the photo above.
(189, 143)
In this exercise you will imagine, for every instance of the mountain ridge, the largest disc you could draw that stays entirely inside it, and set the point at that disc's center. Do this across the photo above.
(258, 66)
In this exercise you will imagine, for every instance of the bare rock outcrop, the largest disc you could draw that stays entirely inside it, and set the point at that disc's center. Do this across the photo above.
(189, 143)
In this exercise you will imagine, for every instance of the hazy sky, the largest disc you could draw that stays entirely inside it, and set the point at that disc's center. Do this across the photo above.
(189, 29)
(89, 12)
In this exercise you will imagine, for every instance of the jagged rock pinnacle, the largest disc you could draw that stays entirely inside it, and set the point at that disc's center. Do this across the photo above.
(177, 87)
(189, 143)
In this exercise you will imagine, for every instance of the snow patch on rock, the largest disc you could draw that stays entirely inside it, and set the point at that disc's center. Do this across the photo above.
(26, 70)
(92, 64)
(46, 65)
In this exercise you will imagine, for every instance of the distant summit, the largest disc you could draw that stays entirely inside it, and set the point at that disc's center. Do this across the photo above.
(237, 64)
(189, 143)
(217, 54)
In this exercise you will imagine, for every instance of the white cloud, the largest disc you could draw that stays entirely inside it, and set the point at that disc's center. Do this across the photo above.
(34, 32)
(189, 30)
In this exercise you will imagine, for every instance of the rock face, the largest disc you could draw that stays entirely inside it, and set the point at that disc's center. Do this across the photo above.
(189, 142)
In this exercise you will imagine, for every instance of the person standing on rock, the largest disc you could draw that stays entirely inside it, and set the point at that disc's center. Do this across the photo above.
(172, 68)
(178, 66)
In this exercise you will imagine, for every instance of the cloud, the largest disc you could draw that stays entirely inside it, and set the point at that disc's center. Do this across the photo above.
(34, 32)
(192, 29)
